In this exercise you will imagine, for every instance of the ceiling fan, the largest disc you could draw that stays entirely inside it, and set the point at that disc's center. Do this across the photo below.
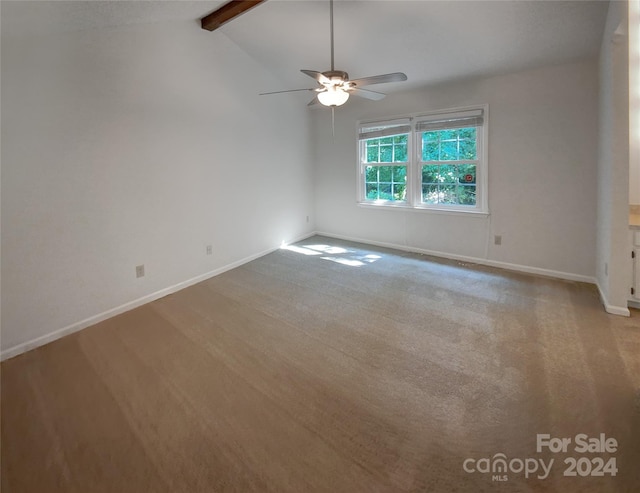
(334, 86)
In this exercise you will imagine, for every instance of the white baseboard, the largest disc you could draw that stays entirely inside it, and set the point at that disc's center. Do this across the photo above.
(634, 304)
(474, 260)
(57, 334)
(612, 309)
(87, 322)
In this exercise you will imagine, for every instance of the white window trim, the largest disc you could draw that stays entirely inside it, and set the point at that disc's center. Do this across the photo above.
(414, 164)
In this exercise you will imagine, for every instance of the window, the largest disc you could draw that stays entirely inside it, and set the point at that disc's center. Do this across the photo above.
(434, 161)
(385, 154)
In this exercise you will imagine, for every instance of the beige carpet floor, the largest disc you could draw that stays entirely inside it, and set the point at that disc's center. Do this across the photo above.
(332, 367)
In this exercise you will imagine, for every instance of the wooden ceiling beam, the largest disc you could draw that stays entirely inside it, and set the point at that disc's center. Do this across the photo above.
(227, 12)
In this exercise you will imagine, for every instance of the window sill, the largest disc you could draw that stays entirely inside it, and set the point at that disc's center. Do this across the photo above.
(432, 210)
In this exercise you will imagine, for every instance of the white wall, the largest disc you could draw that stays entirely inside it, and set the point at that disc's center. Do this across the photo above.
(137, 145)
(613, 267)
(542, 172)
(634, 102)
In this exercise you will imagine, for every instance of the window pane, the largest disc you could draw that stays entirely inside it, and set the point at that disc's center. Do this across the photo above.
(385, 173)
(449, 184)
(371, 173)
(430, 173)
(430, 194)
(430, 136)
(447, 194)
(399, 174)
(467, 149)
(372, 191)
(448, 134)
(392, 149)
(386, 153)
(400, 153)
(449, 145)
(399, 191)
(449, 150)
(430, 150)
(448, 174)
(385, 191)
(467, 195)
(386, 182)
(467, 173)
(372, 153)
(467, 133)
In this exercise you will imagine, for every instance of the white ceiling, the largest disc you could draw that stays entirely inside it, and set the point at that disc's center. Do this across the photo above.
(431, 41)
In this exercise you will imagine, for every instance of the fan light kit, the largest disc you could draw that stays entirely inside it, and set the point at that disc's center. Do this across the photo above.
(334, 86)
(333, 96)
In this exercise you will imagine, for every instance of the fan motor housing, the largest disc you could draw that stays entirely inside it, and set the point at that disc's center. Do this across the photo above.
(335, 75)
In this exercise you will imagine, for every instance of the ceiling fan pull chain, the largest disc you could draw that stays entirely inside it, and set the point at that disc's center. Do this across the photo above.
(333, 123)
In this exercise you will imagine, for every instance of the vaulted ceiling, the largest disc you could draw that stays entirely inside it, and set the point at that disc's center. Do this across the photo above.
(431, 41)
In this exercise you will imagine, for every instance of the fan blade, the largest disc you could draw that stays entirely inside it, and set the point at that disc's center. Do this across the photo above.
(366, 93)
(379, 79)
(288, 90)
(318, 76)
(313, 102)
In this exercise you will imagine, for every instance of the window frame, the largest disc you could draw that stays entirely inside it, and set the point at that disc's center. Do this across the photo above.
(401, 124)
(415, 163)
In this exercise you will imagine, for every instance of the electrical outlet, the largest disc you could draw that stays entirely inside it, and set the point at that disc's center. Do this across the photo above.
(497, 240)
(140, 270)
(209, 249)
(307, 218)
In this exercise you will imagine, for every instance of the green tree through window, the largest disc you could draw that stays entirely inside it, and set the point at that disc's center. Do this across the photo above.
(447, 179)
(384, 181)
